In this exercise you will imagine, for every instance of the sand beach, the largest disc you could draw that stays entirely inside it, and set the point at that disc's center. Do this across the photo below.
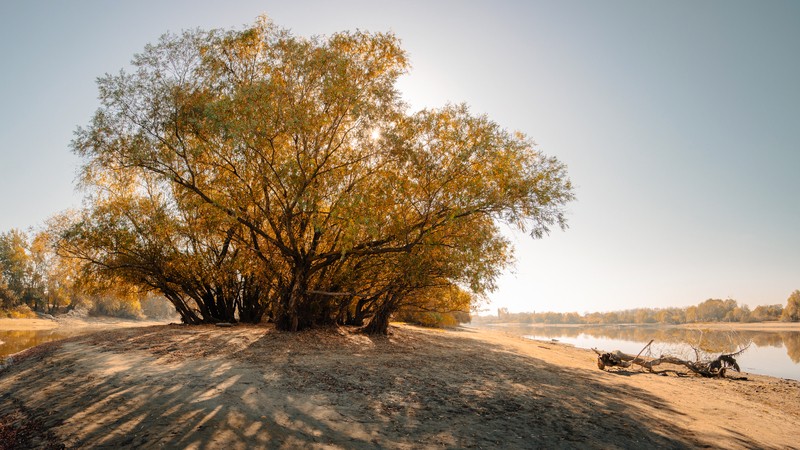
(204, 387)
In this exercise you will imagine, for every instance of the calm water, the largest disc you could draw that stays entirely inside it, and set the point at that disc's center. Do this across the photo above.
(16, 341)
(774, 353)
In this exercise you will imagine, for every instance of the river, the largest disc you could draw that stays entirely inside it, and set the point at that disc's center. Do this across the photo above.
(773, 353)
(14, 341)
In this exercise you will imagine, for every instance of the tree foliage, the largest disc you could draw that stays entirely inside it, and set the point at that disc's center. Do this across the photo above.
(15, 268)
(711, 310)
(791, 313)
(30, 273)
(34, 277)
(284, 175)
(444, 307)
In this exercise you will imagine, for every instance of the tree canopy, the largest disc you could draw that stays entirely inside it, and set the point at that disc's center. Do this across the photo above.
(711, 310)
(251, 172)
(791, 313)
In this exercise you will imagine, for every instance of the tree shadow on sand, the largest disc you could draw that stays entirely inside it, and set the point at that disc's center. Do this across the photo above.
(324, 389)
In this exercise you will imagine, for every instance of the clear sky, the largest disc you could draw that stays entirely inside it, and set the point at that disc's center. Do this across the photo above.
(678, 120)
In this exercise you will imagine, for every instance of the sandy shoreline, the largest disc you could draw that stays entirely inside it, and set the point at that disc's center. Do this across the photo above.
(27, 324)
(73, 323)
(247, 386)
(19, 334)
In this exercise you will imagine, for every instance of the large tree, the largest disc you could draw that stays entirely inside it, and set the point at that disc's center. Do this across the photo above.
(345, 198)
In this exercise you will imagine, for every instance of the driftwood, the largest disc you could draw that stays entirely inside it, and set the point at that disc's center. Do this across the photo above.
(715, 367)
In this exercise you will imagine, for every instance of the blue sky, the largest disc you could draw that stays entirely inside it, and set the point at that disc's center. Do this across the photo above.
(678, 121)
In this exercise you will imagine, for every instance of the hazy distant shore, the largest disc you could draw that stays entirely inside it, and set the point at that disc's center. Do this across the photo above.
(251, 386)
(753, 326)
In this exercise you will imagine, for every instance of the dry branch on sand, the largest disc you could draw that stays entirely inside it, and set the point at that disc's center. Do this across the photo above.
(710, 368)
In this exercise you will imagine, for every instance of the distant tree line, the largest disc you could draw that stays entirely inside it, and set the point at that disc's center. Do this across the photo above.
(711, 310)
(35, 279)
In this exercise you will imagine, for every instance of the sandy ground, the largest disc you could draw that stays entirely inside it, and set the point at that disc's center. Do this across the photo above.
(253, 387)
(27, 324)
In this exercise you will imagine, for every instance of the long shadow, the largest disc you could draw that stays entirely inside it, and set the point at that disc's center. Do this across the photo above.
(311, 390)
(490, 398)
(208, 403)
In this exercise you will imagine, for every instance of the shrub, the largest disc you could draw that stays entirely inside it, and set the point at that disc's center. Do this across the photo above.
(20, 312)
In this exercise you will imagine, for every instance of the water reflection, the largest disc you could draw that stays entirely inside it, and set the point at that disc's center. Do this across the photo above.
(16, 341)
(767, 346)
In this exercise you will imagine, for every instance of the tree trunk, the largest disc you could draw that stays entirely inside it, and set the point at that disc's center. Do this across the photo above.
(356, 318)
(288, 315)
(379, 323)
(251, 308)
(187, 315)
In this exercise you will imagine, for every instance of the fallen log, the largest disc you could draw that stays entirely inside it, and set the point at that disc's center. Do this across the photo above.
(713, 368)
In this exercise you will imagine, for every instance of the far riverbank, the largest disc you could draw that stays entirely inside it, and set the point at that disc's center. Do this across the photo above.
(752, 326)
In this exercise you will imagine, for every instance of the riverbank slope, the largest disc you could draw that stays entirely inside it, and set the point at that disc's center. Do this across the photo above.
(251, 386)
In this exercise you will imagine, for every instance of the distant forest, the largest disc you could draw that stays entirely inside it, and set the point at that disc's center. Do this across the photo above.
(711, 310)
